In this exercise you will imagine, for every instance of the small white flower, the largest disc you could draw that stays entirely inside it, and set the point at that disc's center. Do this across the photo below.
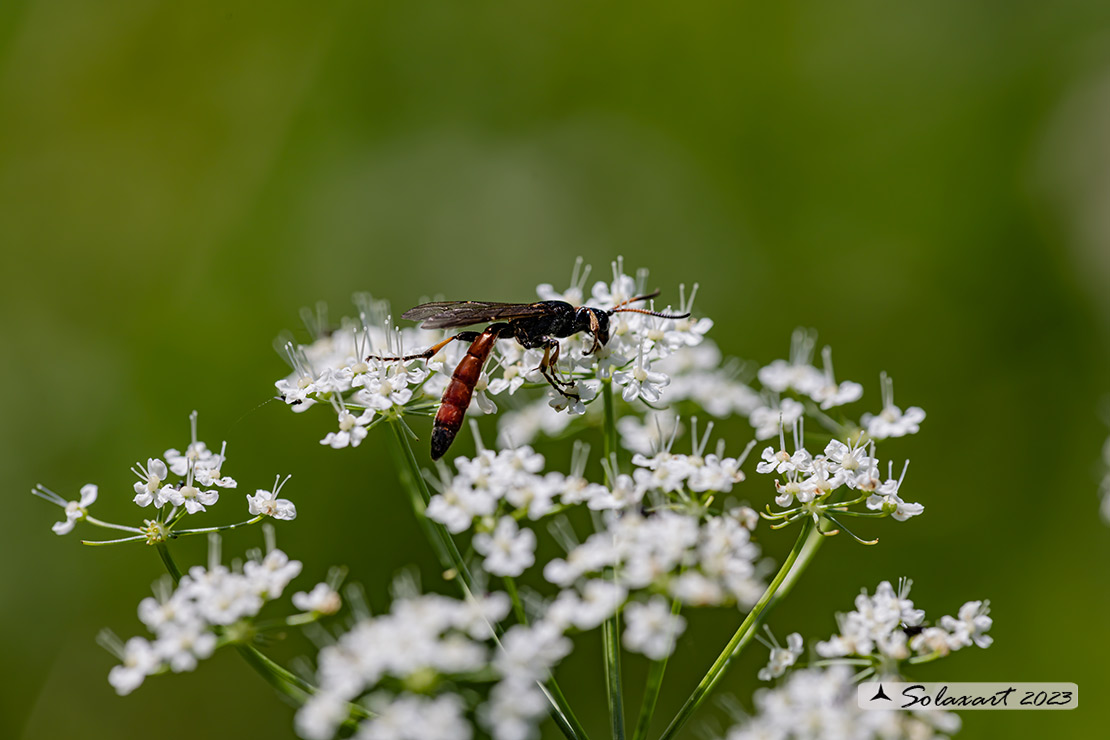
(970, 626)
(640, 382)
(651, 628)
(886, 497)
(74, 510)
(352, 429)
(191, 497)
(509, 550)
(782, 657)
(149, 485)
(267, 503)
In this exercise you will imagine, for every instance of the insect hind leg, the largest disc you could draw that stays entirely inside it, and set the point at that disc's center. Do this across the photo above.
(462, 336)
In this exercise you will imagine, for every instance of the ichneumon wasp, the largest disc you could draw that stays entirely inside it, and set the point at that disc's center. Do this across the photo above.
(538, 325)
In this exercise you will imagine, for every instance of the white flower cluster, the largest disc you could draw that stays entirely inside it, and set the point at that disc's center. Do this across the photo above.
(810, 478)
(199, 473)
(394, 660)
(513, 481)
(887, 627)
(705, 562)
(814, 704)
(187, 621)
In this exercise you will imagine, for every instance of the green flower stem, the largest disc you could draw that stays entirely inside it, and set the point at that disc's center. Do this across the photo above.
(610, 441)
(108, 525)
(168, 561)
(652, 688)
(450, 558)
(518, 605)
(409, 470)
(809, 540)
(610, 633)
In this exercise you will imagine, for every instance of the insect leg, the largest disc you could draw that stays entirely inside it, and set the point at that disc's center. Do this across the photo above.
(462, 336)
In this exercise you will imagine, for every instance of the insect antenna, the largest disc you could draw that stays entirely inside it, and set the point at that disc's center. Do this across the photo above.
(620, 307)
(633, 300)
(650, 313)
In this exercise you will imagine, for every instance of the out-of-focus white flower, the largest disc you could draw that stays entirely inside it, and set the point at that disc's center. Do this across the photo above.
(509, 550)
(816, 703)
(651, 628)
(892, 421)
(182, 644)
(139, 661)
(829, 393)
(782, 657)
(797, 374)
(766, 420)
(414, 717)
(322, 599)
(600, 600)
(970, 625)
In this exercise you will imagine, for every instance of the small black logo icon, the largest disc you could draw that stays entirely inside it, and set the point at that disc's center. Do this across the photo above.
(880, 694)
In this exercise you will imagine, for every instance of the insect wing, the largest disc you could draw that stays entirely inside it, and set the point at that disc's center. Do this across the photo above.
(451, 314)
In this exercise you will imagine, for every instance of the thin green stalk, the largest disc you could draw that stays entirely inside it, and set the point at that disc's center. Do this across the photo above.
(809, 540)
(108, 525)
(565, 717)
(409, 471)
(221, 528)
(514, 595)
(611, 637)
(652, 688)
(610, 633)
(167, 560)
(610, 440)
(96, 543)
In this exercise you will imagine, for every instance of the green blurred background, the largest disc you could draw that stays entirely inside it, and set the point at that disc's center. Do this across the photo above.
(926, 184)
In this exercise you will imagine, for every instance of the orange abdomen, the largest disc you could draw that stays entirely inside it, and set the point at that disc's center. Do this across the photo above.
(456, 399)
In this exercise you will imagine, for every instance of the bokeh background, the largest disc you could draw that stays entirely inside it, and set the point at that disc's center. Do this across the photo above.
(927, 184)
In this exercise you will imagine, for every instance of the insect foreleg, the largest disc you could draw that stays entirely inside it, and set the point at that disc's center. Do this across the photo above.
(548, 368)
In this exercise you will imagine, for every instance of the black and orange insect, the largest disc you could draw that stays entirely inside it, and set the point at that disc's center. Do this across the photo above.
(533, 325)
